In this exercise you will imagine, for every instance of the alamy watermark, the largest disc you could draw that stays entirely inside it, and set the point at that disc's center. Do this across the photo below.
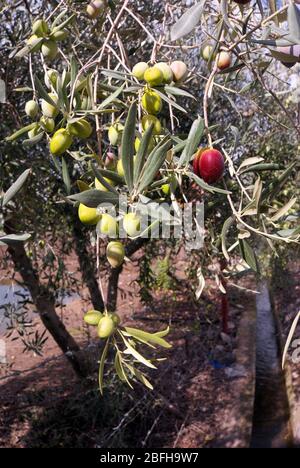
(159, 220)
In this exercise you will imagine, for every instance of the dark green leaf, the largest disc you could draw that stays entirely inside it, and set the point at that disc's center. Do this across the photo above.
(16, 186)
(142, 152)
(66, 176)
(21, 132)
(193, 142)
(154, 163)
(43, 93)
(127, 147)
(93, 198)
(112, 97)
(248, 255)
(102, 180)
(205, 186)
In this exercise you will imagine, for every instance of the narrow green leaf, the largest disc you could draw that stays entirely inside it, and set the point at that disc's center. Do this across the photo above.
(127, 147)
(58, 18)
(284, 210)
(170, 101)
(262, 168)
(15, 187)
(142, 152)
(93, 198)
(34, 140)
(294, 20)
(74, 70)
(193, 141)
(226, 226)
(64, 24)
(112, 176)
(136, 354)
(140, 376)
(163, 333)
(205, 186)
(119, 369)
(21, 132)
(248, 255)
(188, 21)
(43, 93)
(153, 164)
(140, 334)
(174, 91)
(66, 176)
(102, 180)
(112, 97)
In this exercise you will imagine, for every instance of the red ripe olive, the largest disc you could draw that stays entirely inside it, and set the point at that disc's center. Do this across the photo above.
(209, 165)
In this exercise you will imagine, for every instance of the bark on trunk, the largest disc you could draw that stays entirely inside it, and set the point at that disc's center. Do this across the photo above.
(45, 305)
(87, 268)
(112, 291)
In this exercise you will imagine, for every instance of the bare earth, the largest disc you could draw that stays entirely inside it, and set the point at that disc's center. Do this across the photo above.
(44, 405)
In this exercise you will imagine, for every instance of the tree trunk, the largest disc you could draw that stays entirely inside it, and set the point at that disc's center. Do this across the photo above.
(112, 290)
(45, 304)
(87, 268)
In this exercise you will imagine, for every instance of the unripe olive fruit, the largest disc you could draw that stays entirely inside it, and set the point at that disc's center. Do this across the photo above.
(48, 124)
(115, 253)
(207, 52)
(88, 216)
(115, 134)
(59, 35)
(139, 70)
(166, 71)
(34, 43)
(209, 165)
(49, 50)
(108, 225)
(40, 28)
(116, 319)
(147, 120)
(120, 168)
(154, 76)
(81, 129)
(224, 60)
(48, 109)
(100, 186)
(137, 144)
(93, 317)
(50, 78)
(171, 186)
(151, 102)
(95, 8)
(31, 109)
(179, 70)
(60, 142)
(132, 224)
(106, 327)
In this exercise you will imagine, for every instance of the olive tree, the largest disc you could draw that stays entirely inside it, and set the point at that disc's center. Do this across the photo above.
(143, 130)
